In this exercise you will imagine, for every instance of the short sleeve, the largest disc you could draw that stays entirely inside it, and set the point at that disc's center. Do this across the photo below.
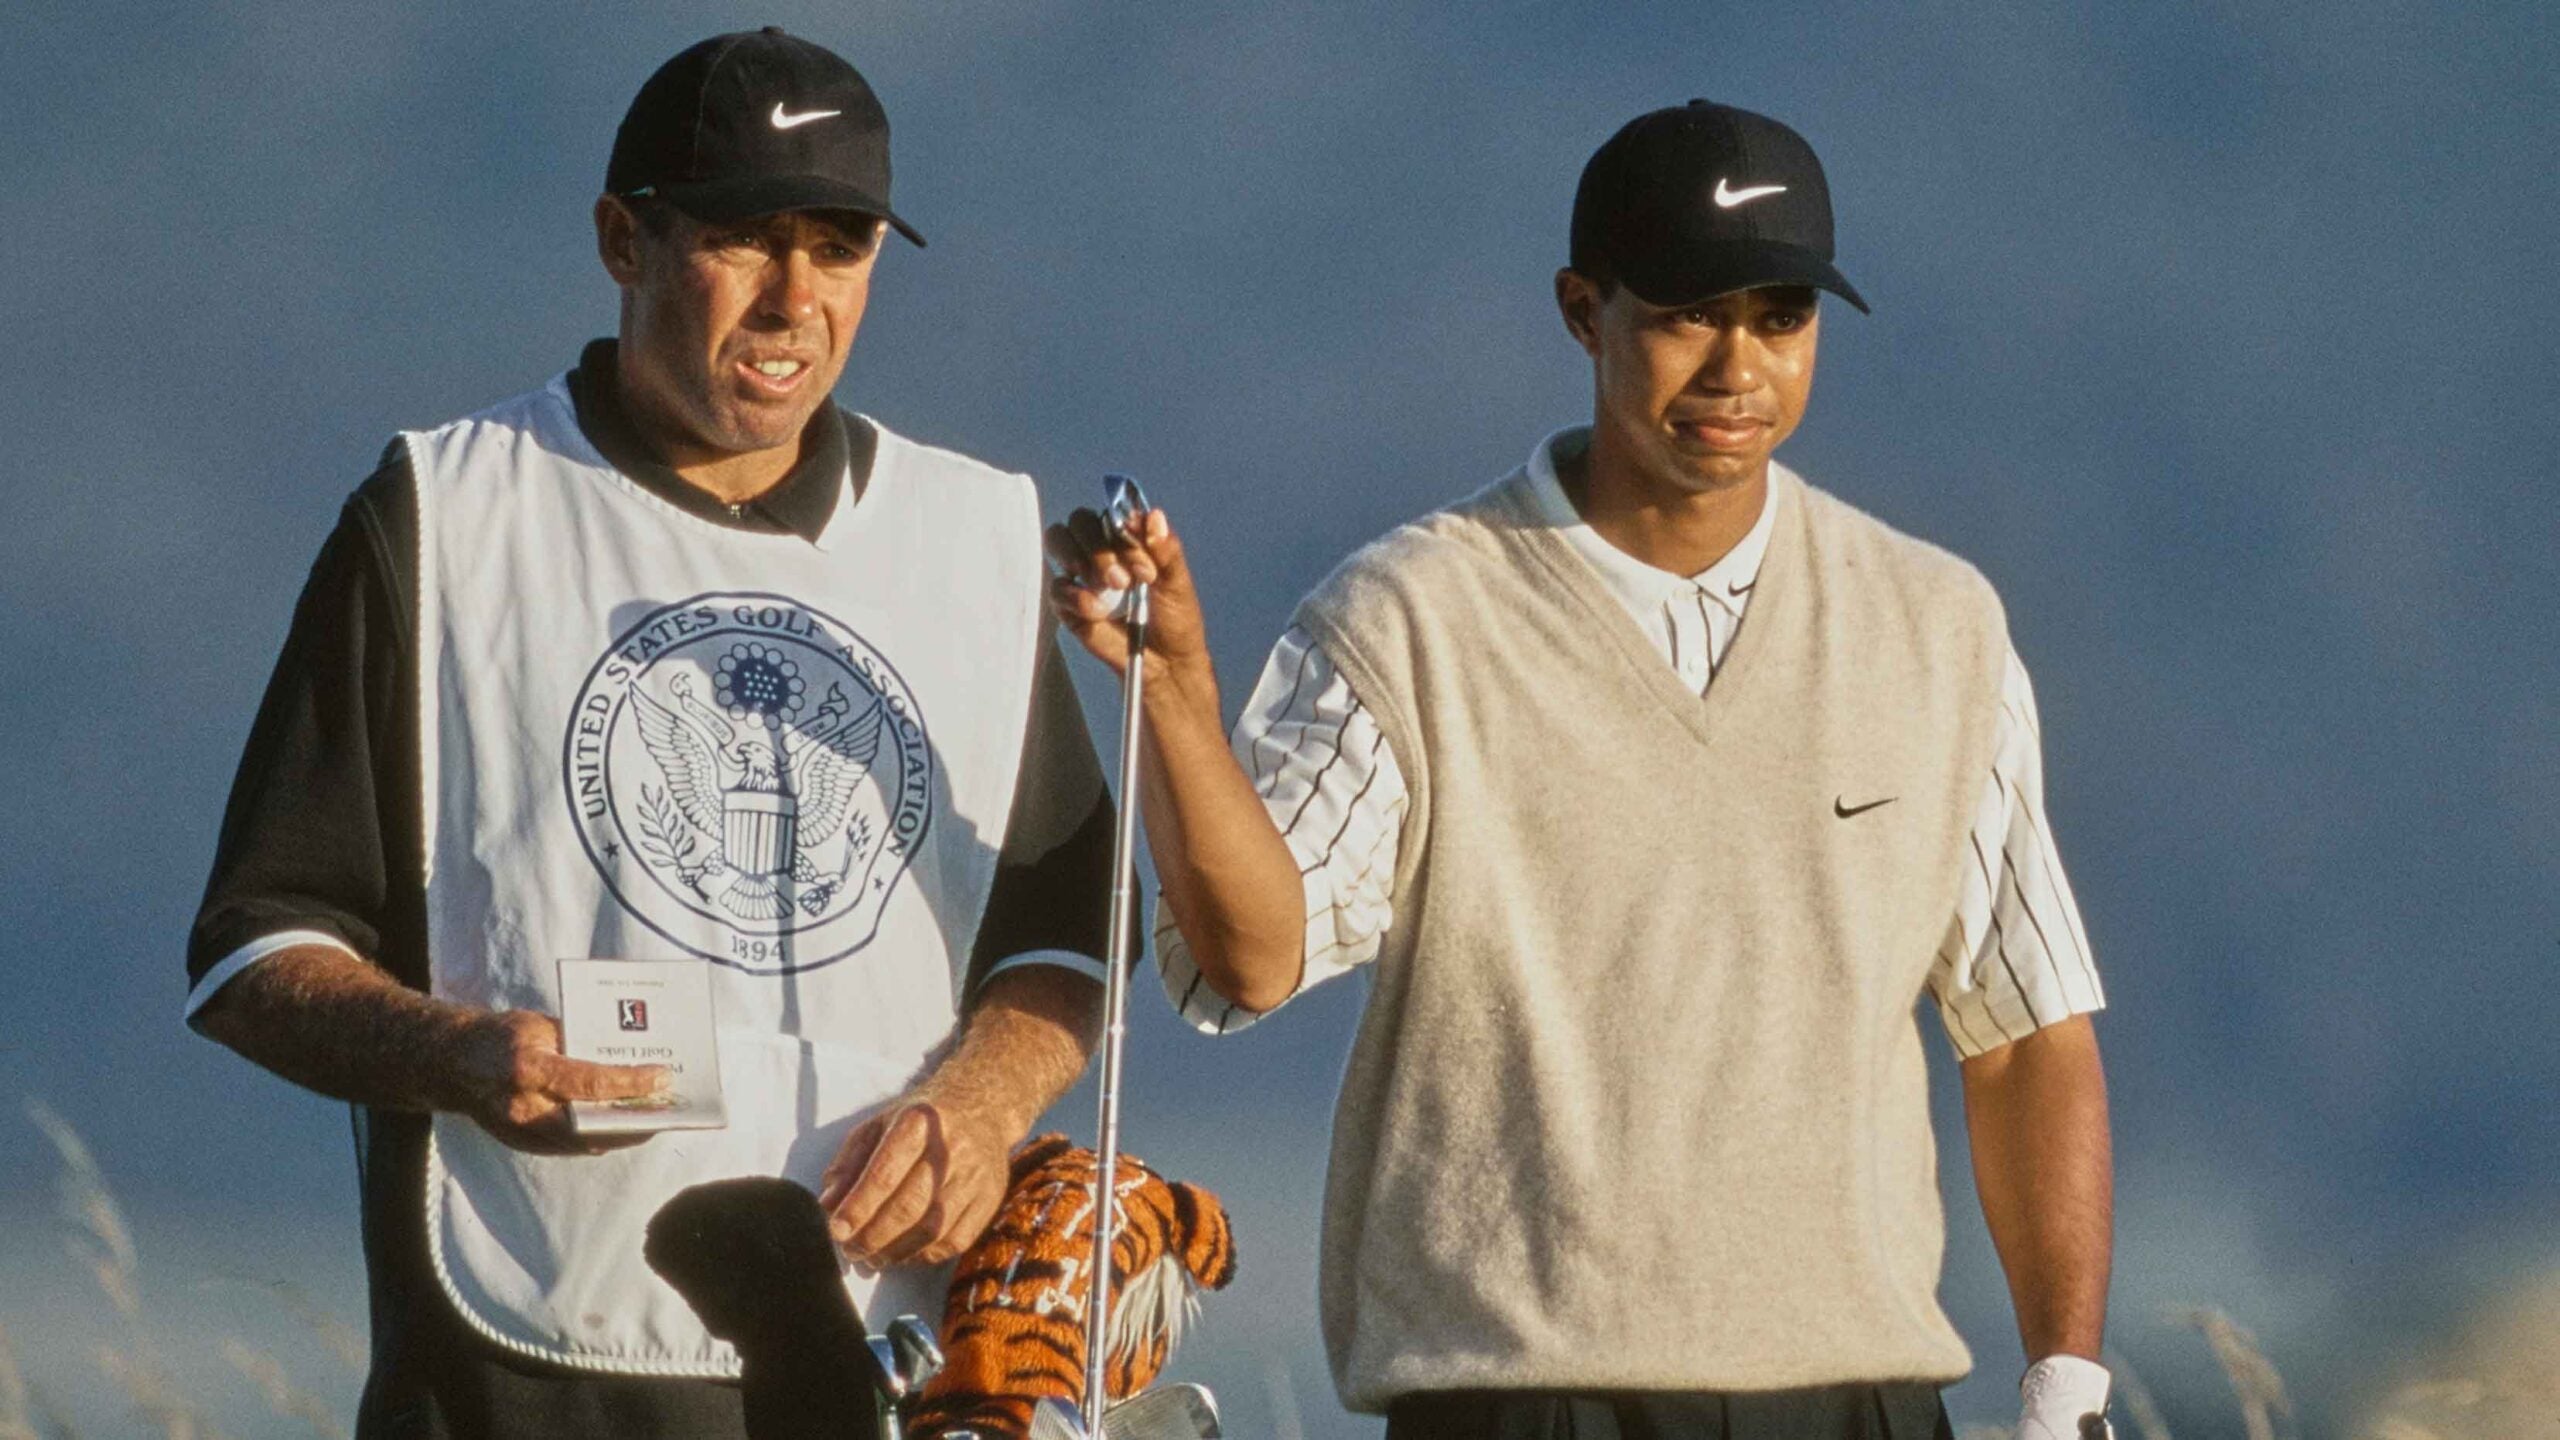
(307, 853)
(1050, 903)
(2016, 957)
(1329, 780)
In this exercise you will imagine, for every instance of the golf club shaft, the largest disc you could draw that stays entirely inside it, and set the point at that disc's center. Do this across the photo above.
(1115, 1017)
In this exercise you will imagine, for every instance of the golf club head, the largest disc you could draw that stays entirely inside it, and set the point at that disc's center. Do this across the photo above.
(893, 1382)
(1122, 503)
(1056, 1420)
(916, 1355)
(1168, 1412)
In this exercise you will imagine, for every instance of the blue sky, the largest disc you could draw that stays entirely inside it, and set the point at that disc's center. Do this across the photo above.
(2214, 336)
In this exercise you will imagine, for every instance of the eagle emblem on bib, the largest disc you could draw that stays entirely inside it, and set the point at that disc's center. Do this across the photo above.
(754, 784)
(751, 779)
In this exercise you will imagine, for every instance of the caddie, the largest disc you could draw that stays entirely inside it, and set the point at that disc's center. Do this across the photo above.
(673, 660)
(1655, 788)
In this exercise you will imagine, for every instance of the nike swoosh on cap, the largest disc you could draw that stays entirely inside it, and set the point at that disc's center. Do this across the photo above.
(1727, 197)
(785, 121)
(1841, 807)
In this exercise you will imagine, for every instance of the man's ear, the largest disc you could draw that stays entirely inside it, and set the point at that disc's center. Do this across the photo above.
(618, 240)
(1578, 301)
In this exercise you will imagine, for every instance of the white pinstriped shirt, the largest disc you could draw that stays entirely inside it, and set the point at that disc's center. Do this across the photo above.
(2015, 957)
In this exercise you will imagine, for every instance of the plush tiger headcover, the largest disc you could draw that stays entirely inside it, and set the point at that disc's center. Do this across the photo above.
(1013, 1329)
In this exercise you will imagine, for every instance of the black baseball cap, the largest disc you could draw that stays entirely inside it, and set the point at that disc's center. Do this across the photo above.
(1700, 200)
(752, 123)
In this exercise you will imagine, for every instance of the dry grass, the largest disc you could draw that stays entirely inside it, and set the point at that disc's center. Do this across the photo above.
(97, 1237)
(2253, 1377)
(283, 1396)
(146, 1383)
(2134, 1399)
(344, 1343)
(2142, 1417)
(1281, 1391)
(2498, 1380)
(21, 1403)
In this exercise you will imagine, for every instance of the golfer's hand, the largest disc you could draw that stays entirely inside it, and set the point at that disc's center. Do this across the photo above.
(1093, 573)
(2064, 1398)
(518, 1085)
(917, 1183)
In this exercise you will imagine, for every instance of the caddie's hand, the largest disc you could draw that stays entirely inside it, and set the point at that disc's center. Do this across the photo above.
(917, 1183)
(518, 1085)
(2064, 1397)
(1094, 573)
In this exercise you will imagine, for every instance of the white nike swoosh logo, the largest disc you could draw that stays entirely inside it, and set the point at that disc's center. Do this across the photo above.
(1726, 199)
(784, 121)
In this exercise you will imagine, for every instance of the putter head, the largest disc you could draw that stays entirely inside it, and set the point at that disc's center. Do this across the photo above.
(1168, 1412)
(1122, 503)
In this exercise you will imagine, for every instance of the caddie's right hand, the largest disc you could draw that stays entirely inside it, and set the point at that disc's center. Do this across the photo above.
(1094, 573)
(517, 1084)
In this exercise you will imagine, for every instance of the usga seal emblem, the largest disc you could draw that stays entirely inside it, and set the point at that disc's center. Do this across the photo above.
(750, 778)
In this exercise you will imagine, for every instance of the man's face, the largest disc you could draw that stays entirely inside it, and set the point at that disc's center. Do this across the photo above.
(734, 334)
(1696, 396)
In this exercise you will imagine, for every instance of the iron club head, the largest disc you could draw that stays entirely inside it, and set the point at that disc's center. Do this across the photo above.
(1122, 503)
(1168, 1412)
(1057, 1420)
(884, 1357)
(919, 1358)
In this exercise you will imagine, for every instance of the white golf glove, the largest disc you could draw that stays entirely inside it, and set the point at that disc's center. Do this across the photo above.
(2064, 1397)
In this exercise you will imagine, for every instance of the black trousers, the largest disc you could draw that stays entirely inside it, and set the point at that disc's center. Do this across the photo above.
(434, 1378)
(452, 1385)
(1903, 1410)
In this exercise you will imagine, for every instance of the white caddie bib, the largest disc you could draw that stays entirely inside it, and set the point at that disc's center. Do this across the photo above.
(649, 737)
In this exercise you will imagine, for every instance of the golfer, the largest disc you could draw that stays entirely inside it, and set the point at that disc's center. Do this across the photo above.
(1654, 787)
(670, 659)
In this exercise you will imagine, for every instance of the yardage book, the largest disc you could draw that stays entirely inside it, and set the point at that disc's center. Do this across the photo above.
(644, 1012)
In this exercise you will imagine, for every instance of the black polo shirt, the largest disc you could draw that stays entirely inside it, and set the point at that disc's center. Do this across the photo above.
(322, 832)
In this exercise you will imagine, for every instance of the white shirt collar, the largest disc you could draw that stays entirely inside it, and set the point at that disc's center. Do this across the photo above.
(1639, 586)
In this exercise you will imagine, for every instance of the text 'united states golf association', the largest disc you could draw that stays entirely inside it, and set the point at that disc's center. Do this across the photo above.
(751, 779)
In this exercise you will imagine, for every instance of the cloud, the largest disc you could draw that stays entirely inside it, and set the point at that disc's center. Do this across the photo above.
(2497, 1377)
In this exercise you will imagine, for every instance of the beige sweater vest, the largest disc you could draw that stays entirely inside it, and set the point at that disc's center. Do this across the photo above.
(1638, 1099)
